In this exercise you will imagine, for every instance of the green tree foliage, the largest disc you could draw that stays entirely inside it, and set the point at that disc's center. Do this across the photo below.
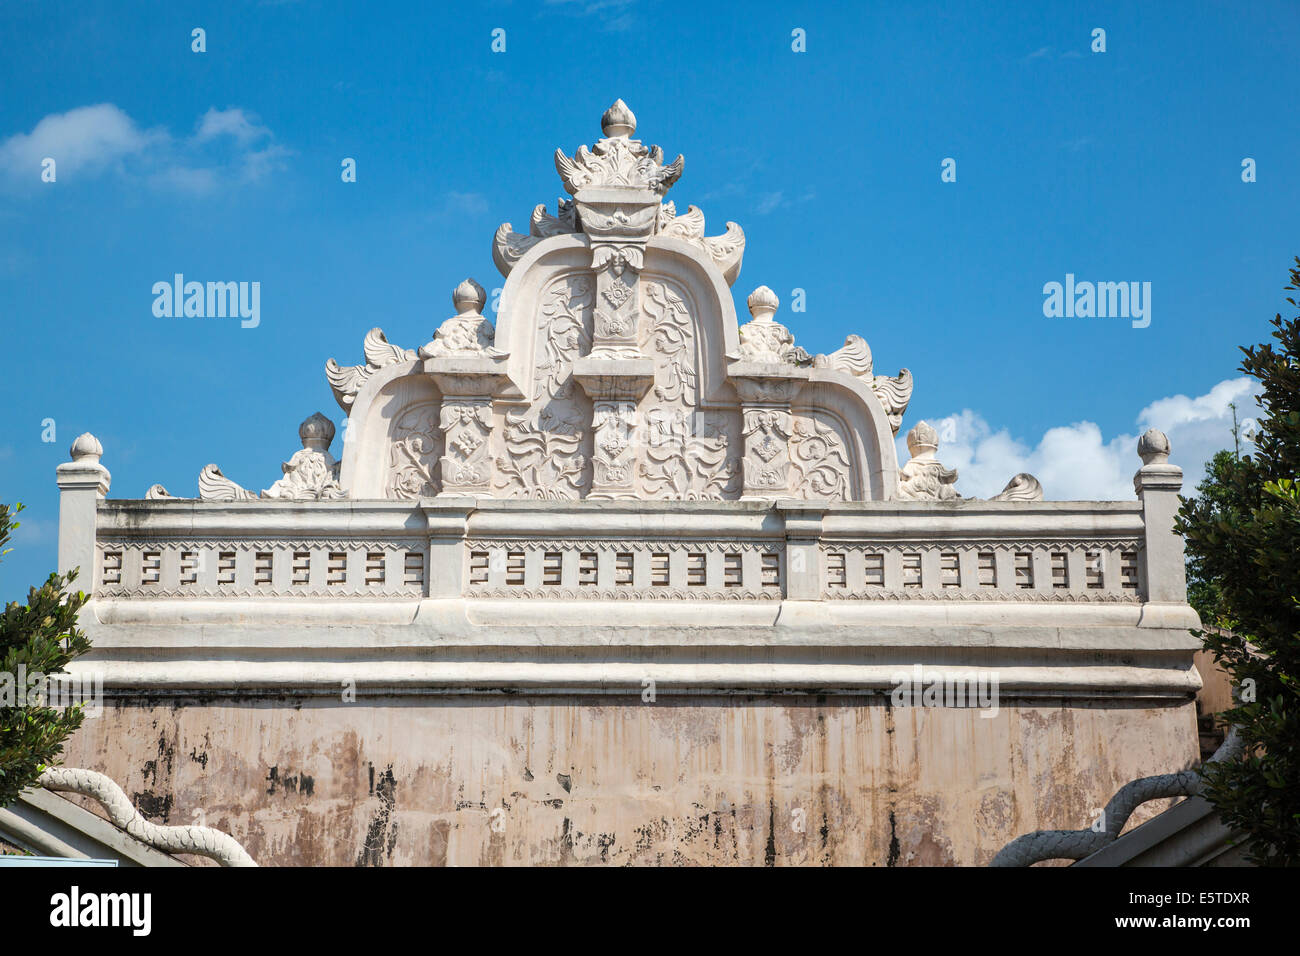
(41, 637)
(1243, 545)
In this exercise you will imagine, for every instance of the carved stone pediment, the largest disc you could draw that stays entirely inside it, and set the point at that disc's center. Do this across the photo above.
(615, 367)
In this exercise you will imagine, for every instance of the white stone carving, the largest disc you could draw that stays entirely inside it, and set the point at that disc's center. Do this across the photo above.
(346, 381)
(542, 458)
(200, 841)
(618, 160)
(415, 453)
(670, 337)
(819, 462)
(854, 358)
(1023, 487)
(1153, 447)
(86, 449)
(214, 486)
(540, 447)
(467, 332)
(681, 465)
(767, 454)
(727, 250)
(466, 461)
(617, 186)
(894, 394)
(924, 478)
(615, 369)
(614, 459)
(508, 246)
(311, 474)
(763, 339)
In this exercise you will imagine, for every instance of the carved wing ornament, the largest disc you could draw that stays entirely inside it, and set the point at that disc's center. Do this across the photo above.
(346, 381)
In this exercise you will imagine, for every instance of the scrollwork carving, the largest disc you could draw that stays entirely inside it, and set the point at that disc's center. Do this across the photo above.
(820, 463)
(683, 466)
(414, 453)
(542, 460)
(346, 381)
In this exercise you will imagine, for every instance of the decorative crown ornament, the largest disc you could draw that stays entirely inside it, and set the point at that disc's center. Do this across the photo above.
(618, 160)
(617, 187)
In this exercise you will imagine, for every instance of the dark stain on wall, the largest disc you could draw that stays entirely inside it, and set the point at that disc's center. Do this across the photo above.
(152, 805)
(290, 783)
(894, 849)
(769, 855)
(381, 835)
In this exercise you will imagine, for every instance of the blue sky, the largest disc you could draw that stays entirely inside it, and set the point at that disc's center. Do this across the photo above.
(1115, 166)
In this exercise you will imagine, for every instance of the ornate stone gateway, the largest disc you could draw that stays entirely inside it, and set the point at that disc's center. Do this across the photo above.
(617, 565)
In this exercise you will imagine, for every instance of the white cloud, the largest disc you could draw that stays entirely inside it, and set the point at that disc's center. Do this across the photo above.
(229, 122)
(83, 138)
(461, 204)
(1076, 462)
(769, 202)
(613, 15)
(228, 145)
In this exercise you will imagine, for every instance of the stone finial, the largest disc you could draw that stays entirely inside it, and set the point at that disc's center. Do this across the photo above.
(922, 440)
(469, 298)
(1153, 447)
(924, 478)
(468, 332)
(87, 448)
(83, 473)
(618, 120)
(763, 304)
(316, 432)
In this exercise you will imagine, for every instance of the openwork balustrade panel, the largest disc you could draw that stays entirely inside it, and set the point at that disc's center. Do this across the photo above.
(620, 570)
(154, 568)
(990, 571)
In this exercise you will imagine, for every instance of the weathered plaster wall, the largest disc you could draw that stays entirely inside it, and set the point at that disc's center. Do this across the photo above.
(470, 781)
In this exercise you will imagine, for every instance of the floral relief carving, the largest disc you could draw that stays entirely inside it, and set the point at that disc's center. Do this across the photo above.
(682, 465)
(819, 460)
(671, 331)
(466, 462)
(541, 445)
(564, 334)
(767, 458)
(414, 453)
(614, 459)
(543, 458)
